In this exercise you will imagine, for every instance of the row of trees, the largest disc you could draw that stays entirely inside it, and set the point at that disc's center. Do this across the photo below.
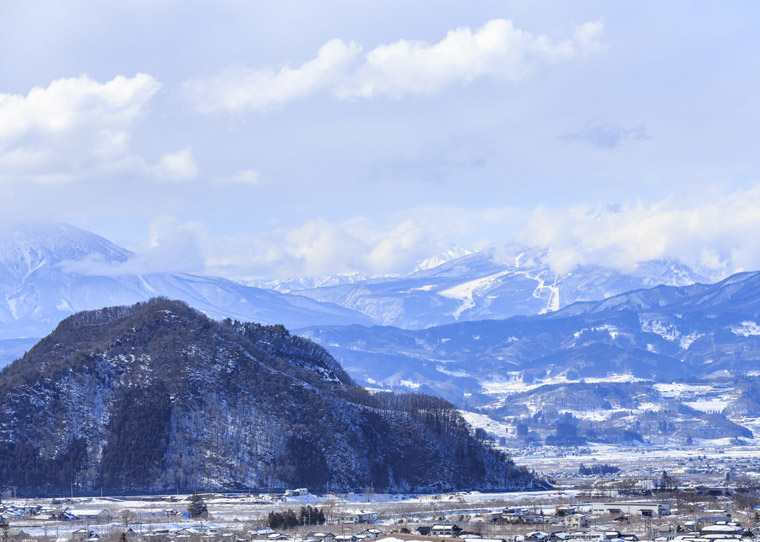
(583, 470)
(287, 520)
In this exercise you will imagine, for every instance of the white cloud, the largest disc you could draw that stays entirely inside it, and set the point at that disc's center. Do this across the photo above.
(315, 248)
(714, 234)
(242, 89)
(177, 166)
(74, 103)
(321, 247)
(72, 128)
(497, 50)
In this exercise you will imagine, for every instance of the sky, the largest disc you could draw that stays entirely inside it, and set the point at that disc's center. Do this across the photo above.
(275, 139)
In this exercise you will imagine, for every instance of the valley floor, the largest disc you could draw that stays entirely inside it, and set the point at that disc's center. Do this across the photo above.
(237, 517)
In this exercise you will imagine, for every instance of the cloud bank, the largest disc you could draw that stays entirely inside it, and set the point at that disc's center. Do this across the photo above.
(714, 235)
(405, 67)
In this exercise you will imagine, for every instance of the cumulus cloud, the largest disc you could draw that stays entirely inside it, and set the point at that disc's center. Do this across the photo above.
(72, 127)
(497, 50)
(77, 128)
(68, 105)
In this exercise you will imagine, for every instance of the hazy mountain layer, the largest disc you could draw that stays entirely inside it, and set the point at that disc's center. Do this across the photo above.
(49, 271)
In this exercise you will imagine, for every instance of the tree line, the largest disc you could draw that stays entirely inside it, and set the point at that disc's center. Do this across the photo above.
(289, 519)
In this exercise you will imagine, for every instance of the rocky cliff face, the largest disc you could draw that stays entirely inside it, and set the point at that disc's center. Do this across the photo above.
(157, 396)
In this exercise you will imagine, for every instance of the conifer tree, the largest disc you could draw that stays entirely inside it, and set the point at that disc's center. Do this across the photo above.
(197, 507)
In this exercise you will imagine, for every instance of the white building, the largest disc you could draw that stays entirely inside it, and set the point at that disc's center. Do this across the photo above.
(643, 509)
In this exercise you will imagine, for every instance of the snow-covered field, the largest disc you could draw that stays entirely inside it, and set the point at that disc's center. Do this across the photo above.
(242, 513)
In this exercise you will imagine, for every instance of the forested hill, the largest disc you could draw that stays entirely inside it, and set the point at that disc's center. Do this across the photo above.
(156, 397)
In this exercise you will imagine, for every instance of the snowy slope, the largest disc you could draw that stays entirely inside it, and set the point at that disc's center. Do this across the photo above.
(659, 334)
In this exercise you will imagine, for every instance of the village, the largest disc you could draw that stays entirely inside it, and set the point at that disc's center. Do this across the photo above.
(565, 514)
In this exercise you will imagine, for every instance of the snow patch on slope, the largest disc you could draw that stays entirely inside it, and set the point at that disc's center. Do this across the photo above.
(669, 332)
(464, 292)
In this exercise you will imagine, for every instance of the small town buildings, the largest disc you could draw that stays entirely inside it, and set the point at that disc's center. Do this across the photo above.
(490, 516)
(722, 528)
(261, 533)
(445, 530)
(563, 510)
(359, 517)
(300, 492)
(643, 509)
(576, 521)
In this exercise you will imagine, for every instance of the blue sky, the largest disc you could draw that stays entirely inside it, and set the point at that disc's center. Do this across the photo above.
(305, 138)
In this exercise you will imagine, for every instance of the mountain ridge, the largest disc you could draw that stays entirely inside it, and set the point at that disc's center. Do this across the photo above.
(492, 284)
(49, 271)
(658, 333)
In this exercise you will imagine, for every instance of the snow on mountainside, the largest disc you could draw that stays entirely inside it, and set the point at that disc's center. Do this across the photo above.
(295, 284)
(49, 271)
(491, 284)
(440, 259)
(26, 247)
(533, 367)
(659, 334)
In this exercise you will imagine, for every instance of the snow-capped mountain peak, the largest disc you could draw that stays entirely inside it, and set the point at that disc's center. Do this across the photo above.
(28, 246)
(439, 259)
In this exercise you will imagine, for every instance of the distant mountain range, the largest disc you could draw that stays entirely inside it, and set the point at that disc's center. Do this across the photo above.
(51, 270)
(662, 333)
(494, 330)
(704, 336)
(486, 285)
(157, 397)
